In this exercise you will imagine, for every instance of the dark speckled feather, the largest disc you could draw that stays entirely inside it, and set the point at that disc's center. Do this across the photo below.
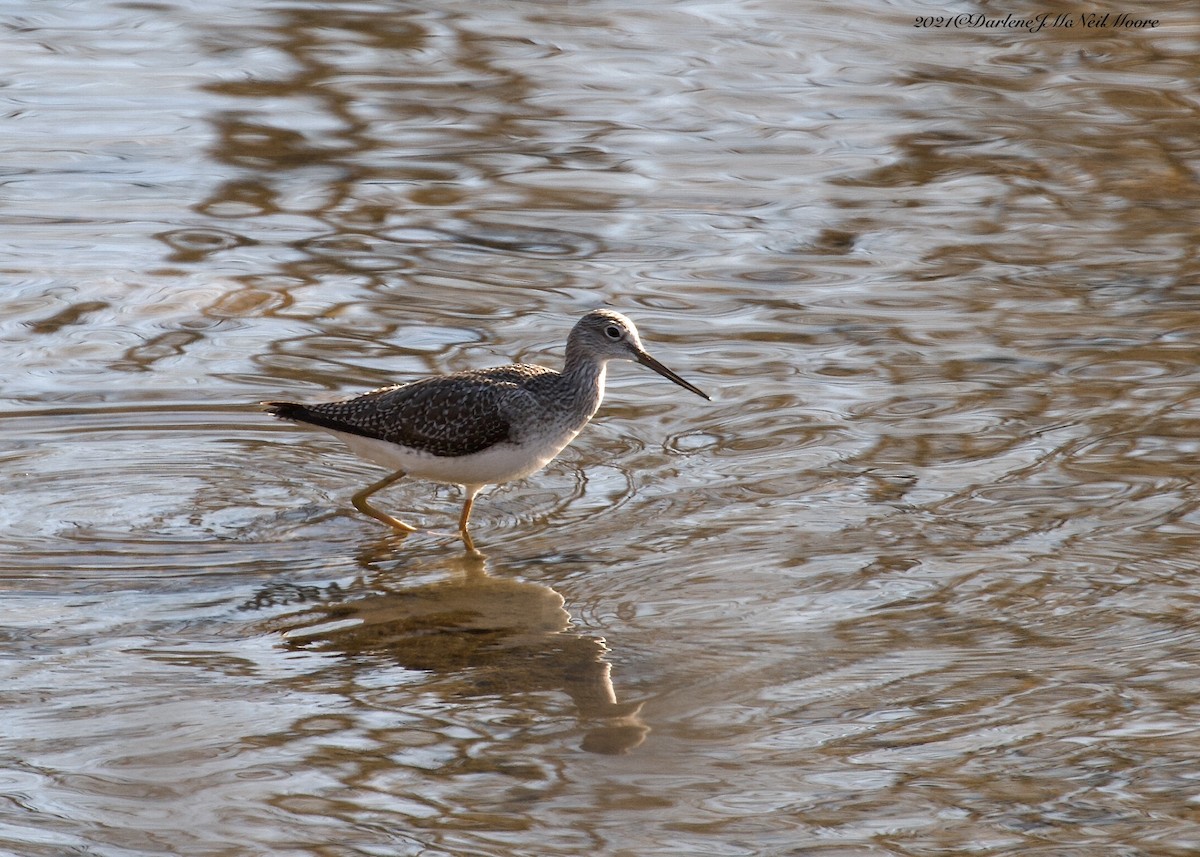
(449, 415)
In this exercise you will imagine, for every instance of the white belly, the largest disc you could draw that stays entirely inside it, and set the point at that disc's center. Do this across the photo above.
(503, 462)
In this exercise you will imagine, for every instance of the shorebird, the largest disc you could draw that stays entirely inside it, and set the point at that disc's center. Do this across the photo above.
(482, 426)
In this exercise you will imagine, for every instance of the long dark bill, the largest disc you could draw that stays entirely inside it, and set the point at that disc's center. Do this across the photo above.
(646, 360)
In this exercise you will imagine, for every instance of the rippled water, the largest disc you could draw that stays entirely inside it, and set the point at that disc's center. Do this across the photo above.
(918, 581)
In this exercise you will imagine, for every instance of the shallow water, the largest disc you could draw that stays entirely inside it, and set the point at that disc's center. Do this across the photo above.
(918, 581)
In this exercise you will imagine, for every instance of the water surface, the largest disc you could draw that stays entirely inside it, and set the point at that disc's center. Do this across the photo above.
(918, 581)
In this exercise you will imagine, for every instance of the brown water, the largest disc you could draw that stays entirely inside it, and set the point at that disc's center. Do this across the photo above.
(921, 580)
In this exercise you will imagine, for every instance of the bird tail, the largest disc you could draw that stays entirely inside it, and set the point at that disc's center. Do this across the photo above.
(312, 416)
(286, 410)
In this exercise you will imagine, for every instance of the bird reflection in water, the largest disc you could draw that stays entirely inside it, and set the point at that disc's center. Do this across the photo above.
(500, 635)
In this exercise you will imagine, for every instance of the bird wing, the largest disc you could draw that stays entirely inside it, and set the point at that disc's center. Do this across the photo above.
(448, 415)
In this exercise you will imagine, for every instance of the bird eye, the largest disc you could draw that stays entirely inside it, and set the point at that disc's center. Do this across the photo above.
(613, 332)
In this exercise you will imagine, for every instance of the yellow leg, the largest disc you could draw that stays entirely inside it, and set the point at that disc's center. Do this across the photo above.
(360, 502)
(465, 517)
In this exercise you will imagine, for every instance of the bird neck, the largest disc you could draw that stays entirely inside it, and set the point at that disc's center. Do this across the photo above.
(582, 380)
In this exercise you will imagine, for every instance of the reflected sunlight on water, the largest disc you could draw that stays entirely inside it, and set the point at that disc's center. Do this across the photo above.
(917, 581)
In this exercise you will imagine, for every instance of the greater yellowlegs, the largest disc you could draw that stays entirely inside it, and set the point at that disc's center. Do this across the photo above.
(483, 426)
